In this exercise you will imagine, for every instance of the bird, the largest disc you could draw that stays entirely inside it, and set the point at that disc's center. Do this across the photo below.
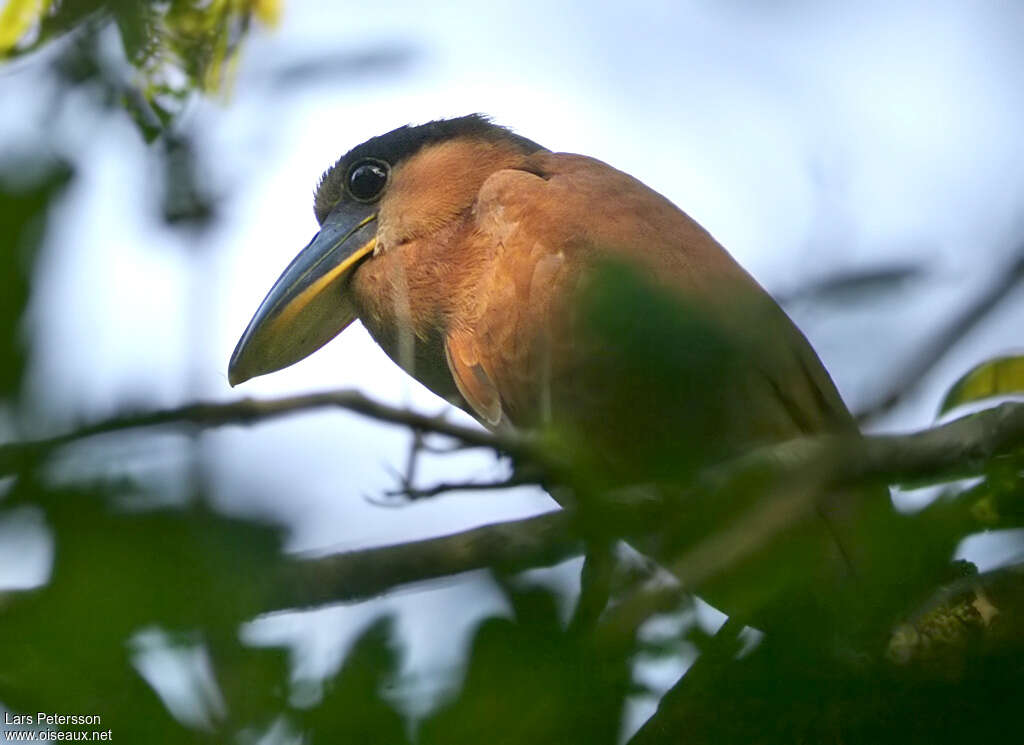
(461, 245)
(545, 290)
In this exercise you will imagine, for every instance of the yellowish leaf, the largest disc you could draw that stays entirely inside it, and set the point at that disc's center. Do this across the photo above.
(997, 377)
(268, 11)
(16, 19)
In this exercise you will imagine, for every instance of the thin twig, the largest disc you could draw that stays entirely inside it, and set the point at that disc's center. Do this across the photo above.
(942, 342)
(445, 487)
(838, 287)
(247, 411)
(447, 449)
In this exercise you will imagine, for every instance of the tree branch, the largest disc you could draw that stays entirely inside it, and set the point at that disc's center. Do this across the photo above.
(808, 468)
(356, 575)
(247, 411)
(957, 449)
(953, 450)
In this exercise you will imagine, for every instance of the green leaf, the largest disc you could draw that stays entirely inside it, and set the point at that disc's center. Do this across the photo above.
(997, 377)
(65, 646)
(355, 707)
(26, 196)
(997, 503)
(529, 680)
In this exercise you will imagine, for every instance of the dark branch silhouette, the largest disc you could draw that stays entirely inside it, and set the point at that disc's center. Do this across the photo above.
(357, 575)
(247, 411)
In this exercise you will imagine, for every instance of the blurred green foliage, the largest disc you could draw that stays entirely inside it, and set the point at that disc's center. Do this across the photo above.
(175, 47)
(530, 679)
(28, 193)
(65, 646)
(690, 371)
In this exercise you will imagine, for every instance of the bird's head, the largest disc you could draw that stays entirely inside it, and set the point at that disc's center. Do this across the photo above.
(381, 195)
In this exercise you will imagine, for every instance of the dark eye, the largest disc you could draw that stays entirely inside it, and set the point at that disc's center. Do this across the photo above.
(366, 181)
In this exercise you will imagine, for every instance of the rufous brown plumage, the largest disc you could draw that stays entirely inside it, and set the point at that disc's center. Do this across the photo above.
(465, 250)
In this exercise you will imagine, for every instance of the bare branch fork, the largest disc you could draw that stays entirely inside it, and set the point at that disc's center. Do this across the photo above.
(408, 490)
